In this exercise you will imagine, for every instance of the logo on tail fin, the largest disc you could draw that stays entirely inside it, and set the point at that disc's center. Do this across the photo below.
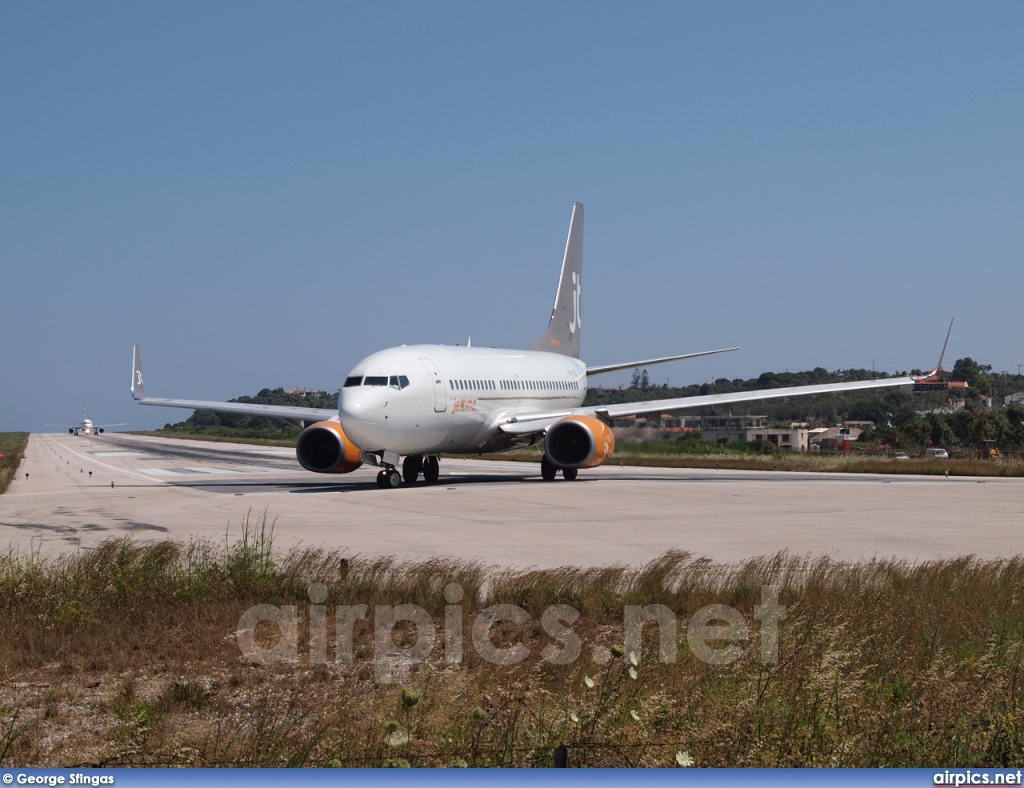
(577, 294)
(563, 332)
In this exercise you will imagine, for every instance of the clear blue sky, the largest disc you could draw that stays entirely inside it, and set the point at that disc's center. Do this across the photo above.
(263, 193)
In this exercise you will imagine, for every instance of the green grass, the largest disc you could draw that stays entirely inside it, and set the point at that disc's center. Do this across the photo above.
(882, 663)
(12, 447)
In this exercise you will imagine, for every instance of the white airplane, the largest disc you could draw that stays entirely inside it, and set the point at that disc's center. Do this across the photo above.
(86, 427)
(406, 406)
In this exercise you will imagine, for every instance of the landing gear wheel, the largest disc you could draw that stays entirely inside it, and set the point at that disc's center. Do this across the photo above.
(388, 479)
(431, 470)
(411, 469)
(547, 469)
(569, 474)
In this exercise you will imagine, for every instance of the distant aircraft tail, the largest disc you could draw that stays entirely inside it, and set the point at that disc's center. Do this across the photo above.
(563, 334)
(138, 388)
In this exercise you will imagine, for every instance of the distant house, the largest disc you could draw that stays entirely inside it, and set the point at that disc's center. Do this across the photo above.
(1014, 399)
(793, 439)
(731, 428)
(836, 439)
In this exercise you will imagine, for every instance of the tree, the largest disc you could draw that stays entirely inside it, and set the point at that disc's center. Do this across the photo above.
(874, 410)
(975, 374)
(915, 434)
(942, 433)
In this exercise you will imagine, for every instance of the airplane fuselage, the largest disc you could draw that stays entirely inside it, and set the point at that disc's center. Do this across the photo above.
(427, 399)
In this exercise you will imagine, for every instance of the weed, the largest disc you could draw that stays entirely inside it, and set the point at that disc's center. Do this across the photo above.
(12, 451)
(880, 663)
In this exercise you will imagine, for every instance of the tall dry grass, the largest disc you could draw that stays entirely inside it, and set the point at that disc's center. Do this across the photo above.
(126, 655)
(12, 450)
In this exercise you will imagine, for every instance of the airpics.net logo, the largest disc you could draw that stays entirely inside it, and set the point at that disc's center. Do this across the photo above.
(714, 633)
(974, 777)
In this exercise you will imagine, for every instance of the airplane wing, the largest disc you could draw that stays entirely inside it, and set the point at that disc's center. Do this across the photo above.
(652, 361)
(288, 412)
(539, 422)
(105, 426)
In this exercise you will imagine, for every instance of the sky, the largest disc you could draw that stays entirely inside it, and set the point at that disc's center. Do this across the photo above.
(261, 194)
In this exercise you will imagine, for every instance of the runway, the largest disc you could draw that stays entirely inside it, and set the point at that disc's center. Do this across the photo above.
(498, 512)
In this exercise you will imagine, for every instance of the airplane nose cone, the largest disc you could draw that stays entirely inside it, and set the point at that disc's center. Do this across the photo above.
(362, 414)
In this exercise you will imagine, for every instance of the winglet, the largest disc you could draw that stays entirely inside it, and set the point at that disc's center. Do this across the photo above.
(942, 355)
(138, 388)
(926, 378)
(563, 333)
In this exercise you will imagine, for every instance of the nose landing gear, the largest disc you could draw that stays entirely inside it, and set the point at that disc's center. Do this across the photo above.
(388, 478)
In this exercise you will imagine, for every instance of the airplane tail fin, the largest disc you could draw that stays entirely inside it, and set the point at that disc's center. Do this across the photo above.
(138, 389)
(563, 334)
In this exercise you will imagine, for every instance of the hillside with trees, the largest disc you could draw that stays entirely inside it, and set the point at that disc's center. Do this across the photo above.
(902, 420)
(211, 423)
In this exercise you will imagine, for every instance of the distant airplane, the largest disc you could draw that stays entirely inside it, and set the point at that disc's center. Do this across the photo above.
(86, 427)
(406, 406)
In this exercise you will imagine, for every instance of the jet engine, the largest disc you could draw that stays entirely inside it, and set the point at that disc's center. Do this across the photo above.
(579, 442)
(99, 430)
(325, 448)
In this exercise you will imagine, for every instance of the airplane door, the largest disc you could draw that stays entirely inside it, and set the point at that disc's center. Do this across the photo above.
(440, 398)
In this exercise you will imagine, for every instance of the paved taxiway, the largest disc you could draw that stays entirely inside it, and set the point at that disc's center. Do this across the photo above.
(498, 512)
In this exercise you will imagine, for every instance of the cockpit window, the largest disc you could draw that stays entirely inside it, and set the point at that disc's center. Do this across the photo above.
(395, 381)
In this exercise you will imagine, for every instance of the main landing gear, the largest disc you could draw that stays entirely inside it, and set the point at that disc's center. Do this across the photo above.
(548, 471)
(412, 467)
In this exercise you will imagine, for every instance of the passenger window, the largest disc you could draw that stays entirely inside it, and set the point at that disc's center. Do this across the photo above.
(355, 380)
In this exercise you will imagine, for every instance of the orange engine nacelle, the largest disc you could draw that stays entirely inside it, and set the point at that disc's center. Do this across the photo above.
(325, 448)
(579, 442)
